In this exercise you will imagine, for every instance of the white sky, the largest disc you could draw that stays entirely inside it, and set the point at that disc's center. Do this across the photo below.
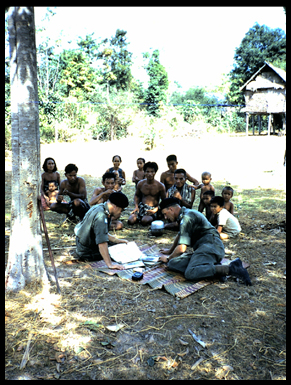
(196, 44)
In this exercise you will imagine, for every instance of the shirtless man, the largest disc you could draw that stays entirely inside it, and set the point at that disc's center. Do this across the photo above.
(101, 195)
(168, 178)
(74, 187)
(148, 193)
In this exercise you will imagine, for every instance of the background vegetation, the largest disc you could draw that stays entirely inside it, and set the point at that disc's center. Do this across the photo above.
(90, 93)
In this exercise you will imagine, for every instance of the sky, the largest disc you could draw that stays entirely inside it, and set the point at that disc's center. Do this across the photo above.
(196, 44)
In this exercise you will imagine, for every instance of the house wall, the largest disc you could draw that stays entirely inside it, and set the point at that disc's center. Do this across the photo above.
(265, 101)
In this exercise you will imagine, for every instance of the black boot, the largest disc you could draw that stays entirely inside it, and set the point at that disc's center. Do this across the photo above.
(236, 269)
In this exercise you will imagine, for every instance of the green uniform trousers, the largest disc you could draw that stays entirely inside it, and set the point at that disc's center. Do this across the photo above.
(208, 252)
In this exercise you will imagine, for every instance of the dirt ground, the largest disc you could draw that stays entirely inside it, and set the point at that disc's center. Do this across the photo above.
(243, 327)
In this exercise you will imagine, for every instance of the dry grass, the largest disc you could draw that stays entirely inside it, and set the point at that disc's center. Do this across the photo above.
(65, 336)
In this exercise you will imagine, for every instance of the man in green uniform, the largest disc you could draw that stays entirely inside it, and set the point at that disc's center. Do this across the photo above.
(92, 236)
(197, 232)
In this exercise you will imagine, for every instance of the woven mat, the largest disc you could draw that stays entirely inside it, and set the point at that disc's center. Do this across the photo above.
(159, 277)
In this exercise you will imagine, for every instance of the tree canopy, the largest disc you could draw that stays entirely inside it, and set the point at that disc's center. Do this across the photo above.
(260, 44)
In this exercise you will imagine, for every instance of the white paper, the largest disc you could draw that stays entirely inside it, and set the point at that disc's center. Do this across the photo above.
(125, 252)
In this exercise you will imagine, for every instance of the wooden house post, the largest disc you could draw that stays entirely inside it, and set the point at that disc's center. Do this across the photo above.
(247, 123)
(269, 123)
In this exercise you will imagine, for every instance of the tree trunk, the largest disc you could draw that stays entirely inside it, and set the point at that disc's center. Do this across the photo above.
(25, 259)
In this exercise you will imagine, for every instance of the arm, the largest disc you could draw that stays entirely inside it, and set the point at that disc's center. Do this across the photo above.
(60, 195)
(137, 198)
(99, 196)
(82, 193)
(174, 251)
(219, 229)
(103, 248)
(134, 177)
(123, 176)
(162, 178)
(231, 208)
(113, 239)
(191, 179)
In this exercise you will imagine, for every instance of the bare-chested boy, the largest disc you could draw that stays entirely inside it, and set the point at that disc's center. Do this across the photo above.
(138, 174)
(74, 187)
(148, 193)
(226, 194)
(101, 195)
(205, 186)
(167, 177)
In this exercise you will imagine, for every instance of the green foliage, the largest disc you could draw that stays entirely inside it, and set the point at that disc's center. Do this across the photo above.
(260, 44)
(116, 61)
(158, 84)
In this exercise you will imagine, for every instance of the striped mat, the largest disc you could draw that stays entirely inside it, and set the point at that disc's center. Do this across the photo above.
(159, 277)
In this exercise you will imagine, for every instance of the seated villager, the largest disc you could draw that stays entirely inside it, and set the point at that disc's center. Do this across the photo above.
(148, 193)
(75, 188)
(101, 195)
(182, 191)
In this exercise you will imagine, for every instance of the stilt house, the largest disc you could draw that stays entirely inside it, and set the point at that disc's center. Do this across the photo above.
(265, 94)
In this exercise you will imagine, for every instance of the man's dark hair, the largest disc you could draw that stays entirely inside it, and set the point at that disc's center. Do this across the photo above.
(228, 188)
(209, 192)
(151, 165)
(218, 200)
(141, 159)
(70, 167)
(171, 157)
(180, 171)
(44, 166)
(108, 175)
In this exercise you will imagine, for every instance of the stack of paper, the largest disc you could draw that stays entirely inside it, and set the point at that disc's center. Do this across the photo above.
(125, 252)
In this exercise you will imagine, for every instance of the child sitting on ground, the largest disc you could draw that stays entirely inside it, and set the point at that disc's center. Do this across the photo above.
(207, 196)
(226, 194)
(227, 225)
(50, 174)
(205, 186)
(139, 173)
(50, 195)
(118, 171)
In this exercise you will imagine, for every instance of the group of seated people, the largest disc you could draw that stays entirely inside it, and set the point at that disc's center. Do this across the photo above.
(149, 192)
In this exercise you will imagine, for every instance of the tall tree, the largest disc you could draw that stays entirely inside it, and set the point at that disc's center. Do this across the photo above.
(117, 61)
(156, 93)
(25, 259)
(260, 44)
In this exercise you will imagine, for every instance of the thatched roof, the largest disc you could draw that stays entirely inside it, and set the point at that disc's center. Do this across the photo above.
(281, 73)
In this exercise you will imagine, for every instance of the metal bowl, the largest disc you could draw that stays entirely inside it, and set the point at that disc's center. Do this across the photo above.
(157, 228)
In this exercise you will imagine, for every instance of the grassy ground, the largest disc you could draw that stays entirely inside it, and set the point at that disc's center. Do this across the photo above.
(243, 327)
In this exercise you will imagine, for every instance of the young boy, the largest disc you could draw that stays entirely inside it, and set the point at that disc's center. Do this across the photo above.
(227, 225)
(207, 196)
(167, 177)
(205, 186)
(75, 187)
(101, 195)
(138, 174)
(148, 193)
(226, 194)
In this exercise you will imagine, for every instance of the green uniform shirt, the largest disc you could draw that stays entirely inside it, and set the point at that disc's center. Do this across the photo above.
(93, 229)
(193, 227)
